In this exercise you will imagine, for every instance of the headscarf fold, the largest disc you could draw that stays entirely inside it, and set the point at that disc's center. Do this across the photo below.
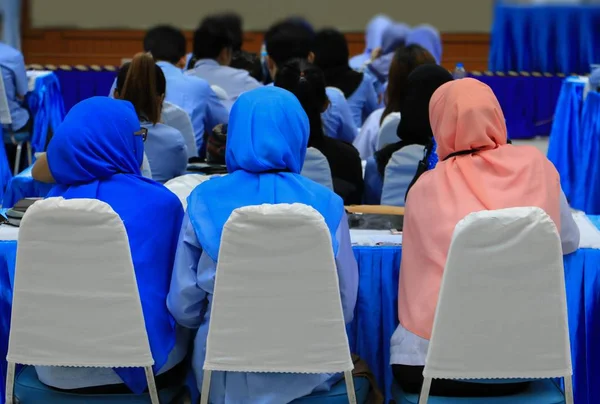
(266, 144)
(94, 154)
(429, 38)
(393, 38)
(414, 127)
(465, 115)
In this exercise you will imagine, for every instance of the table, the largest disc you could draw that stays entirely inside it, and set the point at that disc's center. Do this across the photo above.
(24, 186)
(46, 103)
(545, 38)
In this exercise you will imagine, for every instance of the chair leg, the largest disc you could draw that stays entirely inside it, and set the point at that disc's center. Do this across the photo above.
(425, 391)
(10, 382)
(350, 387)
(568, 389)
(29, 154)
(205, 393)
(18, 158)
(151, 385)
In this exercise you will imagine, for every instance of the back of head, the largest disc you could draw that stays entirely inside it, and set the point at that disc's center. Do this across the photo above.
(288, 40)
(307, 82)
(143, 84)
(331, 49)
(405, 61)
(235, 26)
(375, 28)
(165, 43)
(211, 37)
(268, 131)
(429, 38)
(394, 37)
(95, 141)
(465, 115)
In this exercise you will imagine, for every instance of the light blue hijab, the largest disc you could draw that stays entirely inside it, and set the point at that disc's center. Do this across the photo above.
(429, 38)
(373, 40)
(394, 36)
(266, 145)
(94, 154)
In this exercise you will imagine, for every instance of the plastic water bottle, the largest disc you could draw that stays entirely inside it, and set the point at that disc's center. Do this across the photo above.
(459, 71)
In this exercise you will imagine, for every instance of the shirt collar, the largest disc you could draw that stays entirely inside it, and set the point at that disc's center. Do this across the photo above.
(168, 67)
(206, 62)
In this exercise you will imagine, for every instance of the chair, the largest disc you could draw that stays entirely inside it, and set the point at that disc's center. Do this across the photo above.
(316, 167)
(387, 133)
(9, 137)
(502, 309)
(399, 173)
(183, 185)
(177, 118)
(65, 316)
(250, 326)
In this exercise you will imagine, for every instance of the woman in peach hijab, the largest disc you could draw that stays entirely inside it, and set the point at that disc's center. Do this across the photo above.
(478, 170)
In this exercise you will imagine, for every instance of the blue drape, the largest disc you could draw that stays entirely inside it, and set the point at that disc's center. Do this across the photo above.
(5, 170)
(542, 38)
(23, 186)
(77, 85)
(46, 103)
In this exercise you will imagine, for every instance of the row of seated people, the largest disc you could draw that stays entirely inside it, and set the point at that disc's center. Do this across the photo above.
(97, 153)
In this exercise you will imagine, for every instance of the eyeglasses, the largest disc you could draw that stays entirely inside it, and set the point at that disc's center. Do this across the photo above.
(143, 133)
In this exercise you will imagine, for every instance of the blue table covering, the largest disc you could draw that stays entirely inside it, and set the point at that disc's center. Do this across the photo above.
(78, 85)
(545, 38)
(5, 169)
(46, 104)
(24, 186)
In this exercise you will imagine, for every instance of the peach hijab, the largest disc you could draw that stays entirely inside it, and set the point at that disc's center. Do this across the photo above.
(464, 115)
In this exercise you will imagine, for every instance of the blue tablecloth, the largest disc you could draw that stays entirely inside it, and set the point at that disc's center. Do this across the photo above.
(77, 85)
(5, 169)
(46, 103)
(545, 38)
(24, 186)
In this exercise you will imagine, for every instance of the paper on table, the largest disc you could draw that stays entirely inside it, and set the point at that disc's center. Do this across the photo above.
(374, 237)
(9, 233)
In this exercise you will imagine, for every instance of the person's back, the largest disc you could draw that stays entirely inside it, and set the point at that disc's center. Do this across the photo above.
(263, 169)
(166, 151)
(15, 85)
(96, 153)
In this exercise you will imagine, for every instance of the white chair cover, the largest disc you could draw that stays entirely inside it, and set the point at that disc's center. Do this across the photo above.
(5, 118)
(502, 305)
(177, 118)
(274, 259)
(387, 132)
(183, 185)
(75, 300)
(399, 173)
(316, 167)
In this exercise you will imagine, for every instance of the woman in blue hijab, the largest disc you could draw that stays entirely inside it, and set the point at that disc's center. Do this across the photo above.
(373, 40)
(96, 153)
(266, 145)
(429, 38)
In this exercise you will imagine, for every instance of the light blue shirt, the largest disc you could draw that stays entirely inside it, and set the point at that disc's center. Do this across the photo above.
(233, 81)
(373, 183)
(337, 120)
(190, 299)
(368, 137)
(166, 151)
(15, 84)
(195, 97)
(363, 101)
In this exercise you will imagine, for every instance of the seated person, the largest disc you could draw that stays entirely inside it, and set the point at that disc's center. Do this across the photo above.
(307, 82)
(331, 55)
(394, 37)
(267, 142)
(414, 127)
(292, 39)
(213, 50)
(429, 38)
(96, 153)
(405, 61)
(143, 84)
(477, 171)
(373, 37)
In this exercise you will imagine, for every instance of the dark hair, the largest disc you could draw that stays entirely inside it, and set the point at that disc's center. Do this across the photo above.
(142, 82)
(211, 37)
(249, 62)
(288, 40)
(331, 49)
(234, 24)
(307, 83)
(165, 43)
(405, 61)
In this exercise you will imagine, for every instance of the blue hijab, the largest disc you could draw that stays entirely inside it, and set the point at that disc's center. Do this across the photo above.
(427, 37)
(266, 145)
(95, 154)
(394, 37)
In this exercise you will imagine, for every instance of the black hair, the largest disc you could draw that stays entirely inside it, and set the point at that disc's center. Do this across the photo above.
(288, 40)
(165, 43)
(234, 24)
(211, 37)
(331, 49)
(141, 82)
(307, 82)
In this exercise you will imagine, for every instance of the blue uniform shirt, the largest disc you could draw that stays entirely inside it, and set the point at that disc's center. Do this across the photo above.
(166, 151)
(15, 84)
(337, 120)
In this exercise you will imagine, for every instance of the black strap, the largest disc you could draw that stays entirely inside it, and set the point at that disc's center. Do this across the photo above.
(276, 170)
(461, 153)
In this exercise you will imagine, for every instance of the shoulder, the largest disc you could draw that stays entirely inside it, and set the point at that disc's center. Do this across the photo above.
(197, 83)
(335, 95)
(165, 199)
(10, 54)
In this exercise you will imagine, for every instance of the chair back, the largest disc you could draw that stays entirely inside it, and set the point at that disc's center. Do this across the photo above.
(273, 260)
(399, 173)
(387, 132)
(177, 118)
(183, 185)
(502, 305)
(5, 118)
(316, 167)
(75, 298)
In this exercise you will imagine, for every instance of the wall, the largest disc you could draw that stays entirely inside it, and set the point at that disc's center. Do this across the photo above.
(97, 36)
